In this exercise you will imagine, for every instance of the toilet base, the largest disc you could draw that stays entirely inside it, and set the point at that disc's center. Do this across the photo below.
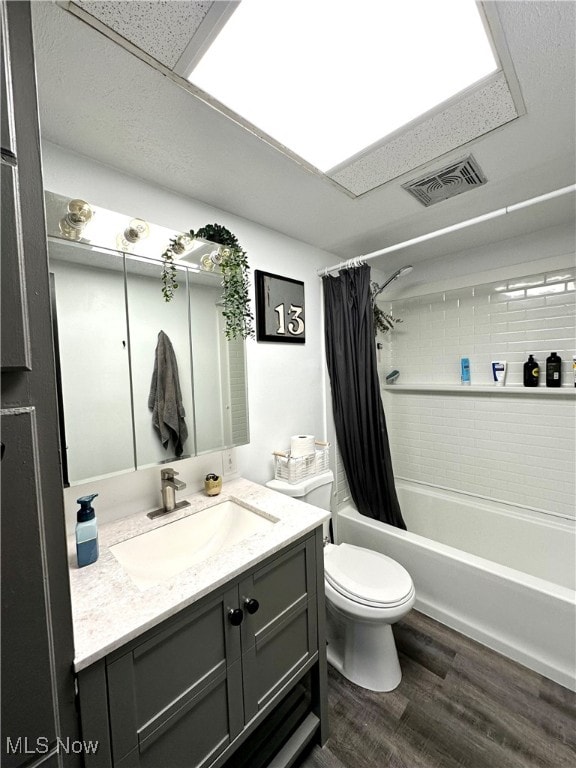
(364, 653)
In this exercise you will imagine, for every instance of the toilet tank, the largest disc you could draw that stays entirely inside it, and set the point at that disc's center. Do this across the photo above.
(316, 490)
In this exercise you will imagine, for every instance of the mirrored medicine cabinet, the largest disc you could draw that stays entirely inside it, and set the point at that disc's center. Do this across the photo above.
(108, 310)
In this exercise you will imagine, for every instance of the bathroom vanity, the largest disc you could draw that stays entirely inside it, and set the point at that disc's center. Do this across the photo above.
(223, 664)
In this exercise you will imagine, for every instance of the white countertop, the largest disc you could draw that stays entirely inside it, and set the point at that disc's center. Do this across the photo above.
(108, 609)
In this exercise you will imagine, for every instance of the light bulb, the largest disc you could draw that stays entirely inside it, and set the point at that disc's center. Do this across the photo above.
(138, 229)
(80, 211)
(79, 214)
(206, 262)
(182, 245)
(212, 259)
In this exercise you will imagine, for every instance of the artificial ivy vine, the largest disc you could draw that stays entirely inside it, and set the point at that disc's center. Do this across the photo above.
(168, 275)
(235, 278)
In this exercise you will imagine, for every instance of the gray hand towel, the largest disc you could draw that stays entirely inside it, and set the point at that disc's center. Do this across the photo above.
(165, 399)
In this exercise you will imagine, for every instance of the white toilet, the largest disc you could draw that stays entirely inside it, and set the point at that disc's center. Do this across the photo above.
(366, 592)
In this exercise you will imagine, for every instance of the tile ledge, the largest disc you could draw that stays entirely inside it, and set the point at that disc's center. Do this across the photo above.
(565, 391)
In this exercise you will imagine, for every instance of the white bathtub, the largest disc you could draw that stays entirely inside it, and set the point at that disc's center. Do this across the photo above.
(502, 575)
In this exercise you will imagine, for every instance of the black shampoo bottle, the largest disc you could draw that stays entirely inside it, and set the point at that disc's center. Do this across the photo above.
(553, 370)
(531, 372)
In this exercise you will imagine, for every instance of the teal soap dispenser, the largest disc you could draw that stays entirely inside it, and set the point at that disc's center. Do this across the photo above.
(86, 532)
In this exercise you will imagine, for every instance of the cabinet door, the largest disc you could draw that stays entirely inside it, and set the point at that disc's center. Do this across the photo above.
(176, 699)
(280, 637)
(15, 347)
(38, 697)
(24, 599)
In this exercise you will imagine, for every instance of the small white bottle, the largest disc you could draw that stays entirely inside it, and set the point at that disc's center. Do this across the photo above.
(86, 532)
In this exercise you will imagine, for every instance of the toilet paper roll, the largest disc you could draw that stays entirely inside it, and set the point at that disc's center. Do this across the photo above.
(302, 445)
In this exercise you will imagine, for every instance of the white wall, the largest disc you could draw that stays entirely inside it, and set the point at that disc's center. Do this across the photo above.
(286, 385)
(524, 254)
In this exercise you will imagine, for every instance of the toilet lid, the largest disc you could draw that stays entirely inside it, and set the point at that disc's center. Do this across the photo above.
(366, 576)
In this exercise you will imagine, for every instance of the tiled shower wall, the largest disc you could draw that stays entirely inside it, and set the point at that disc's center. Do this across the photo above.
(507, 320)
(517, 448)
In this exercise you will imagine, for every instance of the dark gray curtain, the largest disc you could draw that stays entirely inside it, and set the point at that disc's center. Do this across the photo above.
(356, 402)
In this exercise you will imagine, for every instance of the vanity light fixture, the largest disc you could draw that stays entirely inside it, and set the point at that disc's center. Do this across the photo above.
(79, 214)
(137, 230)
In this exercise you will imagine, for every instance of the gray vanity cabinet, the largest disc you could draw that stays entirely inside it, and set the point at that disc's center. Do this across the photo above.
(191, 691)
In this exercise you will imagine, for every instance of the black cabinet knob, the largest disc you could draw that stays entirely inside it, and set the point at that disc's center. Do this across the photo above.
(251, 604)
(236, 616)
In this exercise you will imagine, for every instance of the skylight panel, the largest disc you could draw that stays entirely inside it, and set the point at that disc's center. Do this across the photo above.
(328, 79)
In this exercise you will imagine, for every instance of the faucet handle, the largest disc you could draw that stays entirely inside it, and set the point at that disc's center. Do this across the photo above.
(167, 474)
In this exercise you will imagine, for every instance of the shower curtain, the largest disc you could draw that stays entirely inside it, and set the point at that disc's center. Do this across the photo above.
(356, 402)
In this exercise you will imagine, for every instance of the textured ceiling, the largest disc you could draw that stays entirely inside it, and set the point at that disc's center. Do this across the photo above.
(162, 28)
(479, 111)
(144, 120)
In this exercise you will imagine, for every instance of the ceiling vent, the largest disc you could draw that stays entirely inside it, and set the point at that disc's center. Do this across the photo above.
(447, 182)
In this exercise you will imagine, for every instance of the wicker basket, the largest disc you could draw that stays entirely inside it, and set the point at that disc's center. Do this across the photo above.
(293, 470)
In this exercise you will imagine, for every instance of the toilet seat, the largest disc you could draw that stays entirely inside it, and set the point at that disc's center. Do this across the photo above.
(367, 577)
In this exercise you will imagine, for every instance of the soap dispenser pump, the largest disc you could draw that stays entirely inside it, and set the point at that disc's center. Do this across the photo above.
(86, 532)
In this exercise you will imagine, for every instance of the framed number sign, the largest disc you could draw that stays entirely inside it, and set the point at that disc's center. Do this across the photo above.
(280, 314)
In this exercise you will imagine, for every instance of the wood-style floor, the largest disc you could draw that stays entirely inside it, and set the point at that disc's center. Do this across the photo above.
(459, 705)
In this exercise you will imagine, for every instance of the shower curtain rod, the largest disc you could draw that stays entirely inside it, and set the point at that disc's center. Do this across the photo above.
(358, 260)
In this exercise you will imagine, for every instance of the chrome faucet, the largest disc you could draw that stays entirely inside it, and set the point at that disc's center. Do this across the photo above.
(169, 488)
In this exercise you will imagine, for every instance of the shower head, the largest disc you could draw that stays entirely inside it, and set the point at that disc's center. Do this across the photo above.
(399, 273)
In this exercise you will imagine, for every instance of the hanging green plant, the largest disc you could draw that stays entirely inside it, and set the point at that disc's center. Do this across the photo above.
(235, 278)
(383, 321)
(169, 284)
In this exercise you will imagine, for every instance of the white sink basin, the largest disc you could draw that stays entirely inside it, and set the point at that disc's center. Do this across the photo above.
(164, 552)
